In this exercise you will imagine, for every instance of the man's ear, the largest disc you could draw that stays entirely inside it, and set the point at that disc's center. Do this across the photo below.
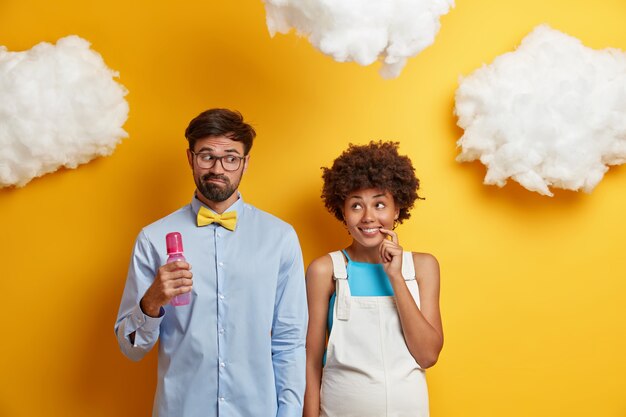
(246, 161)
(190, 158)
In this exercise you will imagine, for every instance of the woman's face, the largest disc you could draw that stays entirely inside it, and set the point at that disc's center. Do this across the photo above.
(366, 212)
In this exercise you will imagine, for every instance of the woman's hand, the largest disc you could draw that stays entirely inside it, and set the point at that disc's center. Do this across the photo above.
(391, 254)
(421, 326)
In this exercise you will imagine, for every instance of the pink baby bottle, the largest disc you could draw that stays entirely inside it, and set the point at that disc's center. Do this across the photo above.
(174, 244)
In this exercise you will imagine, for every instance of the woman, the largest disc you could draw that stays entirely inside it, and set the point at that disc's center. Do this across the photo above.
(379, 304)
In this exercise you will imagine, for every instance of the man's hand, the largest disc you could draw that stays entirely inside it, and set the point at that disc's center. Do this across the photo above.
(172, 279)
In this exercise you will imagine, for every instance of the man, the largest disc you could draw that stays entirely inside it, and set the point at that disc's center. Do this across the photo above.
(238, 348)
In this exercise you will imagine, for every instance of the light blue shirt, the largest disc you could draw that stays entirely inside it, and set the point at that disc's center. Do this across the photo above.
(238, 348)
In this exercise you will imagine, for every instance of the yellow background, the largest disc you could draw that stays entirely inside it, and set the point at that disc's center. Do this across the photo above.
(533, 288)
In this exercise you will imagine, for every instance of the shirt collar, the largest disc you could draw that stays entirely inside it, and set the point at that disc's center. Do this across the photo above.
(237, 205)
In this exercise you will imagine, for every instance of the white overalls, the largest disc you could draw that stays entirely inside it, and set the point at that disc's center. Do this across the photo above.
(369, 370)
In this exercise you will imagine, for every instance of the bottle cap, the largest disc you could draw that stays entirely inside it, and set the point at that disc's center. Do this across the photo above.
(174, 242)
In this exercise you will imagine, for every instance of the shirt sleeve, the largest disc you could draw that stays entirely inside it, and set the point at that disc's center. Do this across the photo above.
(130, 318)
(289, 330)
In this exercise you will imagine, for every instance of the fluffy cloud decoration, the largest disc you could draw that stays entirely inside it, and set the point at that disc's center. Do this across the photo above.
(550, 114)
(362, 31)
(59, 106)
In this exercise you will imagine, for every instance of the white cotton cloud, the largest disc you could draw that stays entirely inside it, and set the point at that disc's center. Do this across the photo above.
(59, 106)
(550, 114)
(362, 31)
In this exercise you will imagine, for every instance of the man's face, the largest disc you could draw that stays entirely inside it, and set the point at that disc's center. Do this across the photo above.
(217, 184)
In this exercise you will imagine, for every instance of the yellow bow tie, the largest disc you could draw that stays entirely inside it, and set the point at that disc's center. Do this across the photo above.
(227, 220)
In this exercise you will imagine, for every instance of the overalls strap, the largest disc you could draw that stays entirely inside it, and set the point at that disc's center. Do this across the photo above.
(408, 269)
(340, 275)
(408, 272)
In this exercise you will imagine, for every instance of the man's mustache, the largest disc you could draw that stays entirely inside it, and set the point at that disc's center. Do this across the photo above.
(207, 177)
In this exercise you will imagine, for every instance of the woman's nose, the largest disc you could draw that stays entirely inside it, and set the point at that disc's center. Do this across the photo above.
(367, 216)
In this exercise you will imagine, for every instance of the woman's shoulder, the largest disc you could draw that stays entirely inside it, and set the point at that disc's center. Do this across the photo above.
(321, 266)
(319, 276)
(424, 257)
(426, 265)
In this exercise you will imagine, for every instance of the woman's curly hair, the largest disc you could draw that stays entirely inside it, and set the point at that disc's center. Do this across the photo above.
(376, 165)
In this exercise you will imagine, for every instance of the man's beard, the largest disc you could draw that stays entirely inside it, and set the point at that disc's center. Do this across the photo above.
(215, 192)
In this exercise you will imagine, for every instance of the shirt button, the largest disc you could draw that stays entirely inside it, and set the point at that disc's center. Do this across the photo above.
(222, 364)
(221, 264)
(221, 331)
(221, 296)
(222, 398)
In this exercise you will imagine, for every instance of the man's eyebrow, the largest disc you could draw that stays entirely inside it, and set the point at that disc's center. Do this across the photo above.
(209, 149)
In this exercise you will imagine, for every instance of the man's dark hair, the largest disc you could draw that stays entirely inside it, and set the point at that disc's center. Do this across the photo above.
(220, 122)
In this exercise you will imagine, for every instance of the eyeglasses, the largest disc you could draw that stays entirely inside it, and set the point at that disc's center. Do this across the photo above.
(205, 160)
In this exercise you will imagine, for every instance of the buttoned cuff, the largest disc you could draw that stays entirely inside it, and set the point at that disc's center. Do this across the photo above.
(147, 325)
